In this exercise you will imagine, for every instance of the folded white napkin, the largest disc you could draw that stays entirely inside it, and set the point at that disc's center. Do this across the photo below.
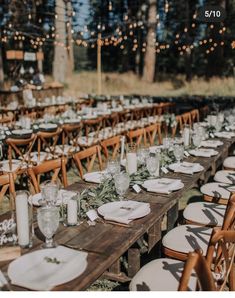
(94, 177)
(210, 143)
(187, 168)
(225, 134)
(127, 212)
(163, 186)
(38, 274)
(203, 152)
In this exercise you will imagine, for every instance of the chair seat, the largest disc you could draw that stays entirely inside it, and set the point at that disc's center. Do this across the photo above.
(187, 238)
(205, 213)
(16, 165)
(83, 141)
(65, 150)
(38, 158)
(161, 275)
(222, 176)
(229, 162)
(215, 189)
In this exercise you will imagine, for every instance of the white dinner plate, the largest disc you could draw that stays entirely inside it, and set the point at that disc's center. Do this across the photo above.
(161, 182)
(174, 166)
(199, 152)
(33, 271)
(94, 177)
(114, 207)
(65, 194)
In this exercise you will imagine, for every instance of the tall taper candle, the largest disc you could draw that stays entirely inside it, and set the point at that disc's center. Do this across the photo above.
(22, 219)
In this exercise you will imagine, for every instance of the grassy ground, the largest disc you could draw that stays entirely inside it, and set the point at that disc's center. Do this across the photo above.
(129, 83)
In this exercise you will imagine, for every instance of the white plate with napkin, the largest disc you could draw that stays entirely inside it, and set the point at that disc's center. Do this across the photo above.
(225, 134)
(186, 167)
(34, 272)
(94, 177)
(124, 211)
(163, 185)
(64, 195)
(211, 143)
(203, 152)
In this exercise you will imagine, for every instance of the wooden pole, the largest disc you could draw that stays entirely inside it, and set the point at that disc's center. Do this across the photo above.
(99, 82)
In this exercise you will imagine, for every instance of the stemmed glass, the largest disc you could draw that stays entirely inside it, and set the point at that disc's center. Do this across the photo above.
(122, 182)
(50, 190)
(48, 221)
(179, 153)
(152, 164)
(142, 155)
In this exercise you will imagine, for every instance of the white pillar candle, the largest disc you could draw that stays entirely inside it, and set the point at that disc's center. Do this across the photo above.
(131, 161)
(186, 137)
(122, 147)
(72, 212)
(22, 219)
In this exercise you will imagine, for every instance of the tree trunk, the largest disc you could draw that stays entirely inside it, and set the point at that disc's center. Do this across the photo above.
(70, 64)
(60, 54)
(150, 54)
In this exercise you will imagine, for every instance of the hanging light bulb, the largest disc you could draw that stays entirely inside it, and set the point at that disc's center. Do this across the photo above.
(22, 70)
(110, 5)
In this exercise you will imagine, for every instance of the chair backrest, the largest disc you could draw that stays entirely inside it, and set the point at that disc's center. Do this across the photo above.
(21, 148)
(197, 264)
(71, 133)
(195, 116)
(186, 118)
(90, 154)
(48, 140)
(113, 143)
(7, 181)
(136, 136)
(178, 126)
(151, 132)
(220, 258)
(93, 125)
(55, 166)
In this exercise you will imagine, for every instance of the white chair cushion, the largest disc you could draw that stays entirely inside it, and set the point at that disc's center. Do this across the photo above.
(160, 275)
(229, 162)
(214, 189)
(222, 176)
(187, 238)
(205, 213)
(66, 150)
(43, 156)
(16, 165)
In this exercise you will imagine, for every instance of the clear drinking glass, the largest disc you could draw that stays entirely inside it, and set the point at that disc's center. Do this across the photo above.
(48, 221)
(122, 182)
(142, 155)
(197, 139)
(113, 167)
(179, 152)
(152, 165)
(50, 190)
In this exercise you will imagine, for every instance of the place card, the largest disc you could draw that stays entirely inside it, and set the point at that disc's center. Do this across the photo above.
(212, 135)
(164, 170)
(136, 188)
(92, 215)
(186, 153)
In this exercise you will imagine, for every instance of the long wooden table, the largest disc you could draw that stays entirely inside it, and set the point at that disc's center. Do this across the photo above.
(106, 243)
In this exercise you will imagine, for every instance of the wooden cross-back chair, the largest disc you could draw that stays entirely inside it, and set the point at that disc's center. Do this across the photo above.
(220, 258)
(152, 132)
(47, 141)
(21, 148)
(7, 119)
(186, 118)
(178, 127)
(93, 125)
(70, 134)
(90, 155)
(7, 182)
(136, 136)
(113, 144)
(54, 166)
(195, 116)
(111, 120)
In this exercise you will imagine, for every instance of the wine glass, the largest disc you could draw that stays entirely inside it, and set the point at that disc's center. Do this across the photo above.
(50, 190)
(152, 164)
(178, 153)
(48, 221)
(142, 155)
(113, 167)
(122, 182)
